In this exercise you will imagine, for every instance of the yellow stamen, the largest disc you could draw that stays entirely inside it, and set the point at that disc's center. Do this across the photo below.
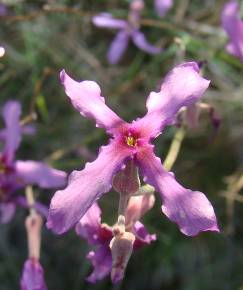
(131, 141)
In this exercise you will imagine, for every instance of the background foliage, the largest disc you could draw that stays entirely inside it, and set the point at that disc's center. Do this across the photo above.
(40, 40)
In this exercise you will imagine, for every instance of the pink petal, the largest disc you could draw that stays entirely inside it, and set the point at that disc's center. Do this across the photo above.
(32, 172)
(107, 21)
(118, 47)
(182, 86)
(234, 27)
(89, 225)
(191, 210)
(7, 211)
(86, 98)
(162, 6)
(33, 276)
(141, 42)
(11, 114)
(85, 187)
(101, 261)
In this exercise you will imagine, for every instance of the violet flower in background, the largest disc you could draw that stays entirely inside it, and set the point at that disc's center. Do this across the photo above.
(191, 210)
(128, 29)
(16, 174)
(233, 26)
(100, 236)
(162, 6)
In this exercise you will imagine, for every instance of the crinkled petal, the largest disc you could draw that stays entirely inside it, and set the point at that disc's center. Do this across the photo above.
(11, 114)
(84, 187)
(89, 225)
(32, 172)
(118, 46)
(234, 27)
(33, 276)
(162, 6)
(102, 263)
(7, 211)
(107, 21)
(86, 98)
(141, 42)
(191, 210)
(182, 86)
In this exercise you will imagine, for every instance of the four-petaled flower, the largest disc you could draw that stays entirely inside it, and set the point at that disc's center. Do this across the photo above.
(17, 174)
(233, 25)
(191, 210)
(128, 30)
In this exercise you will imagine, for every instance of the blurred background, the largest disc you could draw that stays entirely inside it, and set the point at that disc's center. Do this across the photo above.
(41, 38)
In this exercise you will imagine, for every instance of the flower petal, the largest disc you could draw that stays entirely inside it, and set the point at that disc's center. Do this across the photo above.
(7, 211)
(89, 225)
(86, 98)
(11, 114)
(32, 172)
(191, 210)
(85, 187)
(142, 236)
(141, 42)
(234, 27)
(162, 6)
(182, 86)
(101, 261)
(33, 276)
(41, 208)
(118, 47)
(107, 21)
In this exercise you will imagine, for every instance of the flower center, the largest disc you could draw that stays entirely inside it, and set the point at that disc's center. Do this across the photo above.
(131, 141)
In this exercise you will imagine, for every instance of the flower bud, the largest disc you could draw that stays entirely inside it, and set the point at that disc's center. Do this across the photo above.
(33, 226)
(127, 180)
(137, 207)
(121, 250)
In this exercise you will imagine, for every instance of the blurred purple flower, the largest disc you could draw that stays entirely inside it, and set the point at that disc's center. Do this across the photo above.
(233, 25)
(100, 236)
(3, 10)
(33, 276)
(191, 210)
(127, 30)
(15, 174)
(162, 6)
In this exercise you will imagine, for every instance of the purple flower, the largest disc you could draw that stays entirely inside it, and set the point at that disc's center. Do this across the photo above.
(127, 30)
(162, 6)
(191, 210)
(33, 276)
(15, 174)
(234, 27)
(100, 236)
